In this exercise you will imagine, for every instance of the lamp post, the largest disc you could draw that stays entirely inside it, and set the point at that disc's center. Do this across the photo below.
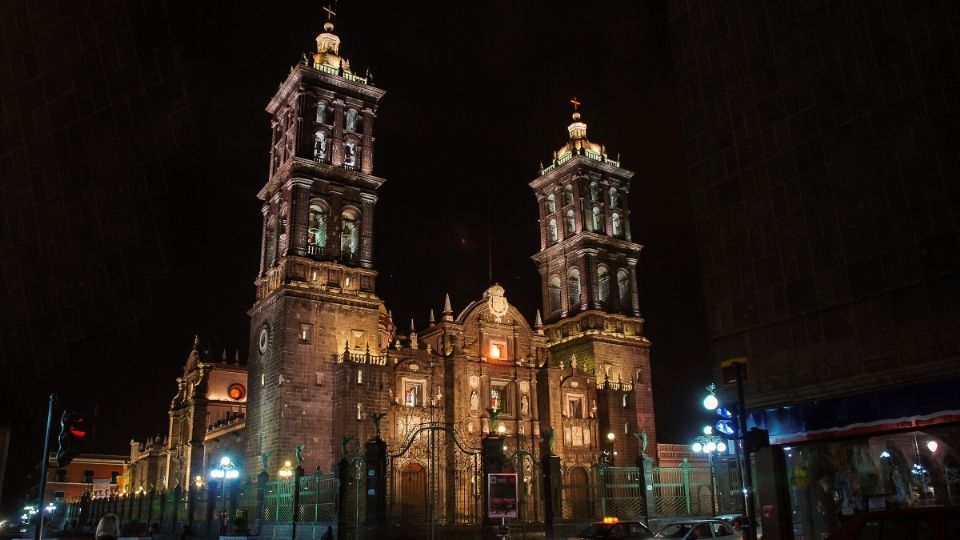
(710, 444)
(734, 426)
(226, 470)
(606, 460)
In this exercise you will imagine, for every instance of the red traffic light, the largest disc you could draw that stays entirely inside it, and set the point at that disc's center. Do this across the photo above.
(77, 427)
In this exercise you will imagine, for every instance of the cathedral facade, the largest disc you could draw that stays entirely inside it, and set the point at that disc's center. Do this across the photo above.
(325, 353)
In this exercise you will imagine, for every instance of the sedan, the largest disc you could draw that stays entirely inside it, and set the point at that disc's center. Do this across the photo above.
(709, 528)
(612, 528)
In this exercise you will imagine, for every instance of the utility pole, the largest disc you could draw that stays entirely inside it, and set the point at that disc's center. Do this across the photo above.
(38, 534)
(747, 472)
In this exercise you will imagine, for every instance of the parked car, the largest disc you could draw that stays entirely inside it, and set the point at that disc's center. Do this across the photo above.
(933, 523)
(614, 528)
(737, 520)
(716, 529)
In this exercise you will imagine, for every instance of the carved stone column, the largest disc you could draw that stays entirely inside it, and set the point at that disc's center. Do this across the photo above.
(366, 160)
(366, 233)
(265, 210)
(634, 288)
(336, 152)
(299, 215)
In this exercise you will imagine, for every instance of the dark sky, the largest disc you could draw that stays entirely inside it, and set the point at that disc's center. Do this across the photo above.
(477, 96)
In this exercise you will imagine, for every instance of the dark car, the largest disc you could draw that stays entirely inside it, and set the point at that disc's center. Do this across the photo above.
(614, 528)
(929, 523)
(737, 520)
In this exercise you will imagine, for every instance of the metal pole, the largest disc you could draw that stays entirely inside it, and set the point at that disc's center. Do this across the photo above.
(223, 507)
(38, 534)
(713, 486)
(745, 456)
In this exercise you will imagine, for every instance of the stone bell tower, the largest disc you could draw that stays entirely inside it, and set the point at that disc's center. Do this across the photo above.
(316, 282)
(587, 263)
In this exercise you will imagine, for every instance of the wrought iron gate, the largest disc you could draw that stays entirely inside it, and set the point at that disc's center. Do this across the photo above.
(434, 478)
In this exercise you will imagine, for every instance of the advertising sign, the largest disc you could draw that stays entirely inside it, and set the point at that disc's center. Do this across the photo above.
(502, 495)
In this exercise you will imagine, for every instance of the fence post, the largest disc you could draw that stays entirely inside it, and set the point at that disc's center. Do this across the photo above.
(211, 501)
(191, 503)
(153, 494)
(297, 474)
(261, 495)
(685, 472)
(163, 504)
(316, 495)
(176, 507)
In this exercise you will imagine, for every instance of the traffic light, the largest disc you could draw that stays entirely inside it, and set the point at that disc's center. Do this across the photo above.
(74, 431)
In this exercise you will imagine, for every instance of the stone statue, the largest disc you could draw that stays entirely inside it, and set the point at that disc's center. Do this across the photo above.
(474, 401)
(264, 457)
(298, 451)
(376, 417)
(549, 438)
(643, 442)
(524, 404)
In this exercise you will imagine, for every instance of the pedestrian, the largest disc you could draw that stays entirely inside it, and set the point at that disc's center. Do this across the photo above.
(108, 528)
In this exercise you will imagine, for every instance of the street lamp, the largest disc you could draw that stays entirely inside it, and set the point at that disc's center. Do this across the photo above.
(226, 470)
(710, 444)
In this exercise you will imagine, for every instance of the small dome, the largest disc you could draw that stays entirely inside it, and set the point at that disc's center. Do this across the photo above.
(578, 139)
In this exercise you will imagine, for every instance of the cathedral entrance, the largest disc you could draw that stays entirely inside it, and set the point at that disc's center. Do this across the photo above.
(434, 479)
(413, 492)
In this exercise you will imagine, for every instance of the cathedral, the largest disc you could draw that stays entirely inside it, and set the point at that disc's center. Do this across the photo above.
(328, 369)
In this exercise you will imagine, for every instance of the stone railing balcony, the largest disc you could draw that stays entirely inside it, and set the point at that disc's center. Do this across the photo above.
(603, 158)
(625, 386)
(361, 358)
(338, 72)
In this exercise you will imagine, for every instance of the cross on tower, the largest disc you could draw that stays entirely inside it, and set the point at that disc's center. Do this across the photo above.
(576, 104)
(330, 13)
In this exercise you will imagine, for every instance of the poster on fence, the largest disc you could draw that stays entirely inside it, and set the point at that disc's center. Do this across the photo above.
(502, 495)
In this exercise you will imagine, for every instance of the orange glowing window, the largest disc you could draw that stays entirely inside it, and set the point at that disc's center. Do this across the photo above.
(236, 391)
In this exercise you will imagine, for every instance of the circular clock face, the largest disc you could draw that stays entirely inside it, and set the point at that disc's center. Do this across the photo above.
(263, 342)
(236, 391)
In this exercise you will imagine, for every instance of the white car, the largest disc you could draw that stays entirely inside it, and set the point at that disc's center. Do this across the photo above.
(708, 528)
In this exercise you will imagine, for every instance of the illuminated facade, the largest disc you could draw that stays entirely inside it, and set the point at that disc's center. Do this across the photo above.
(326, 355)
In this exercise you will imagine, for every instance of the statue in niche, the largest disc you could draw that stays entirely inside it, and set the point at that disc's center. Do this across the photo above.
(322, 111)
(320, 146)
(573, 361)
(524, 404)
(351, 122)
(350, 153)
(474, 401)
(614, 198)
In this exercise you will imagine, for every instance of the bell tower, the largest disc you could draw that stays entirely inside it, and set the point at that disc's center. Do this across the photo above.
(588, 270)
(315, 288)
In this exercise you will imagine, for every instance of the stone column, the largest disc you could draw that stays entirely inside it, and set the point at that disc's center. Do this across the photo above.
(592, 285)
(634, 287)
(369, 200)
(336, 152)
(265, 210)
(366, 160)
(299, 215)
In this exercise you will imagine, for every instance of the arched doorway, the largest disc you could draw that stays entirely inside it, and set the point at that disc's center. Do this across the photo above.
(579, 493)
(413, 492)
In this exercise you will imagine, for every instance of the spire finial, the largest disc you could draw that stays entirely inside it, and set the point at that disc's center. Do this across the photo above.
(447, 308)
(196, 342)
(433, 320)
(538, 323)
(328, 26)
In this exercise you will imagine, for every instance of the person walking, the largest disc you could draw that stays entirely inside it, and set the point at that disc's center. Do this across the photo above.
(108, 528)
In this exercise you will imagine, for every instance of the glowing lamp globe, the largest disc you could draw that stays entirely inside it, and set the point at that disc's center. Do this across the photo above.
(696, 447)
(711, 402)
(721, 447)
(707, 430)
(710, 447)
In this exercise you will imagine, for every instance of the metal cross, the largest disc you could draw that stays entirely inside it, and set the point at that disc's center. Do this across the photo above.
(576, 104)
(330, 13)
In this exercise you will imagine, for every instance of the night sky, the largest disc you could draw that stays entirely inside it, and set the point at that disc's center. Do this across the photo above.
(477, 97)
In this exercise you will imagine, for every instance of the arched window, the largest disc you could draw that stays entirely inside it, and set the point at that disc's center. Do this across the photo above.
(567, 194)
(551, 203)
(614, 197)
(553, 232)
(617, 226)
(554, 294)
(350, 120)
(320, 146)
(623, 285)
(349, 232)
(350, 154)
(603, 281)
(571, 223)
(322, 109)
(594, 192)
(573, 288)
(597, 219)
(316, 229)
